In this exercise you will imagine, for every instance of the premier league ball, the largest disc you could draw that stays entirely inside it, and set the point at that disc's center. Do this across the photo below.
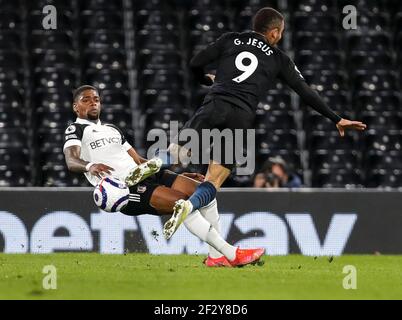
(111, 194)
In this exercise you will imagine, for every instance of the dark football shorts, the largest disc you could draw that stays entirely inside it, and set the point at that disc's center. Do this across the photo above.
(216, 113)
(141, 193)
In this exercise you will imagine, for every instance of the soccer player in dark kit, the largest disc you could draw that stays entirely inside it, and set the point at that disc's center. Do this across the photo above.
(248, 64)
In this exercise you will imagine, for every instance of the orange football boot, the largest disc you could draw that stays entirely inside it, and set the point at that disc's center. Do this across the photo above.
(247, 256)
(217, 262)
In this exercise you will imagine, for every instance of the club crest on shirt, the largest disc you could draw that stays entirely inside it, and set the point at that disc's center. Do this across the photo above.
(141, 189)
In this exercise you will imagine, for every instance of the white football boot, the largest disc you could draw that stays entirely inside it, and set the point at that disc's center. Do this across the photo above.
(181, 210)
(143, 171)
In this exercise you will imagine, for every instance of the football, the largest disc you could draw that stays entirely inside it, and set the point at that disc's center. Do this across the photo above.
(111, 194)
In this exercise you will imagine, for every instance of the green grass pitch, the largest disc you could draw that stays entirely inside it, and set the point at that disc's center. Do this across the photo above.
(149, 277)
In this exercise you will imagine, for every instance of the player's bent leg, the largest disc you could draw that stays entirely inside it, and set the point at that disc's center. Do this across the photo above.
(217, 174)
(210, 213)
(143, 171)
(185, 185)
(163, 199)
(206, 191)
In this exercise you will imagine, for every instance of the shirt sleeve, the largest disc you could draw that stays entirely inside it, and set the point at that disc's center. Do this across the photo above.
(72, 136)
(291, 75)
(127, 146)
(206, 56)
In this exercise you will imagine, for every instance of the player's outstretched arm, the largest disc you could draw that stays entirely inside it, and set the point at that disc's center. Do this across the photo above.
(76, 164)
(136, 157)
(292, 76)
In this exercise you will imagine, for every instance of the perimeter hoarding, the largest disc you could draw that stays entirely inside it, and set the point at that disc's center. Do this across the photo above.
(311, 222)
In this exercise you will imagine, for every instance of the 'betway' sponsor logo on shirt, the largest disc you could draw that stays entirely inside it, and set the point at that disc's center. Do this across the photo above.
(104, 141)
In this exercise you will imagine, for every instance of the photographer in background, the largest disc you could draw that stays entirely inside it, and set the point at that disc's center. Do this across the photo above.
(275, 173)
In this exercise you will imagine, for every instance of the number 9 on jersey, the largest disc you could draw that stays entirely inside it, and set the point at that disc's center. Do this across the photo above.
(249, 69)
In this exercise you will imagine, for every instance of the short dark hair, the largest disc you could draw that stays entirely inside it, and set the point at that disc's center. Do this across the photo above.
(266, 19)
(79, 90)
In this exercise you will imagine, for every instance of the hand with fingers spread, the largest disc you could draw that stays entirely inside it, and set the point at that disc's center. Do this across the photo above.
(99, 169)
(345, 124)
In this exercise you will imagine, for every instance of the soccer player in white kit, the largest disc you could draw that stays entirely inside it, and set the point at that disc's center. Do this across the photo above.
(98, 149)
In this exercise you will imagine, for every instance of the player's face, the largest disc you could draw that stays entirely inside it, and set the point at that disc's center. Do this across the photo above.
(88, 105)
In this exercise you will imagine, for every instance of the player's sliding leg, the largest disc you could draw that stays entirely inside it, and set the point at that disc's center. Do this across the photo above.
(206, 191)
(202, 196)
(162, 200)
(201, 228)
(143, 171)
(209, 212)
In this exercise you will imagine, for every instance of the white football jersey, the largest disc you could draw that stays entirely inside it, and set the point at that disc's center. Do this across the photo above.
(100, 143)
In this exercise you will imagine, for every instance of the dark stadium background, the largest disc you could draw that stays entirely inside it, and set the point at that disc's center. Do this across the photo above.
(137, 52)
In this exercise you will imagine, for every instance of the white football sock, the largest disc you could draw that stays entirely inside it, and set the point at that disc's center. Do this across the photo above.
(210, 213)
(201, 228)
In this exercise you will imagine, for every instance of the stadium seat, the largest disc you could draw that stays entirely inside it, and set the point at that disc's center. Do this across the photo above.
(276, 139)
(374, 21)
(156, 20)
(13, 137)
(314, 22)
(152, 59)
(314, 5)
(14, 177)
(102, 39)
(378, 101)
(60, 4)
(158, 100)
(107, 79)
(275, 119)
(12, 5)
(10, 40)
(276, 101)
(10, 20)
(372, 61)
(208, 21)
(40, 41)
(55, 78)
(10, 156)
(340, 178)
(326, 80)
(333, 160)
(382, 140)
(161, 79)
(104, 59)
(323, 140)
(387, 119)
(157, 40)
(373, 42)
(53, 59)
(101, 5)
(11, 118)
(375, 81)
(52, 99)
(321, 60)
(391, 178)
(106, 20)
(317, 41)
